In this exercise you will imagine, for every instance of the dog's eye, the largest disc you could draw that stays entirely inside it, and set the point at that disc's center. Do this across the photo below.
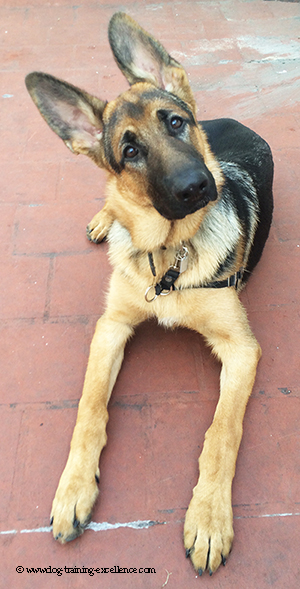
(176, 122)
(130, 152)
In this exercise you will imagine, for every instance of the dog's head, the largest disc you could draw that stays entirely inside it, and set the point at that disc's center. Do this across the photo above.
(148, 138)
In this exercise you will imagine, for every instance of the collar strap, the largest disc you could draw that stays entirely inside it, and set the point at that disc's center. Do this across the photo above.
(151, 263)
(233, 280)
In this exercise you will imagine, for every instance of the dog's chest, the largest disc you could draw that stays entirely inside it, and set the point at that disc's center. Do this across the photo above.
(168, 322)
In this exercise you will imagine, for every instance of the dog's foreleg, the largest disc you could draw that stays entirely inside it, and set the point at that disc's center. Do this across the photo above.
(77, 489)
(100, 224)
(208, 531)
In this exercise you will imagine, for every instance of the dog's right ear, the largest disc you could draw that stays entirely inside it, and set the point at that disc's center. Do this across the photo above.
(73, 114)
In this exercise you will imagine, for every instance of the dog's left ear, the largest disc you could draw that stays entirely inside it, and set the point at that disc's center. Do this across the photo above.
(142, 58)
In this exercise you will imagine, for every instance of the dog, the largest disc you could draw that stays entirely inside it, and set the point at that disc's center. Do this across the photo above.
(188, 210)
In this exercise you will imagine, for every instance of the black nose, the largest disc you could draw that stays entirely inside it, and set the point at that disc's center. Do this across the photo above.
(196, 188)
(192, 184)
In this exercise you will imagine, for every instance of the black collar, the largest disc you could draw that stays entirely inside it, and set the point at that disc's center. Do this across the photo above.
(166, 284)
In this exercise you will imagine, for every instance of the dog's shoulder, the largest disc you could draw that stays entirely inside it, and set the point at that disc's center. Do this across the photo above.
(230, 139)
(235, 144)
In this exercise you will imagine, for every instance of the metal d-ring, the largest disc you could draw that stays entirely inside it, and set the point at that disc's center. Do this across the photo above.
(146, 294)
(162, 293)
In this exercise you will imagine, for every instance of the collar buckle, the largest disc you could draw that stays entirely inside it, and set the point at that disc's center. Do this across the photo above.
(234, 279)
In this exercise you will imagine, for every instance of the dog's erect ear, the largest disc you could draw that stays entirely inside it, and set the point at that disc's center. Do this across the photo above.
(143, 59)
(73, 114)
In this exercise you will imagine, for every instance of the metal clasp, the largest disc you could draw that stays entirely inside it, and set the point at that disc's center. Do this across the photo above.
(181, 260)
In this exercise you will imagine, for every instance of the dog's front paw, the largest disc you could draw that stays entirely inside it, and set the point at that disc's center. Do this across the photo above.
(99, 226)
(72, 504)
(208, 531)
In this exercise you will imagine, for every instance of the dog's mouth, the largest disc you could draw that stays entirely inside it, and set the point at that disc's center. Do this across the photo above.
(176, 214)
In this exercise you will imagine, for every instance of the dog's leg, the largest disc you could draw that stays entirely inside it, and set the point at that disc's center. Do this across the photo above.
(77, 489)
(100, 224)
(208, 531)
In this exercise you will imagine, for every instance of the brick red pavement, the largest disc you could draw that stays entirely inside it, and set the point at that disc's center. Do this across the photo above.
(243, 58)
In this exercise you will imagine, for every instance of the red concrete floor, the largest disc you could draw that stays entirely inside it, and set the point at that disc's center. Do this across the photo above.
(243, 58)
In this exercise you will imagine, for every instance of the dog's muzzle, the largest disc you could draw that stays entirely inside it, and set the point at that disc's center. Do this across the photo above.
(185, 191)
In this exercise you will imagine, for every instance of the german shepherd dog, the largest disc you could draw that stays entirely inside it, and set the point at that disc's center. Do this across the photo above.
(187, 214)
